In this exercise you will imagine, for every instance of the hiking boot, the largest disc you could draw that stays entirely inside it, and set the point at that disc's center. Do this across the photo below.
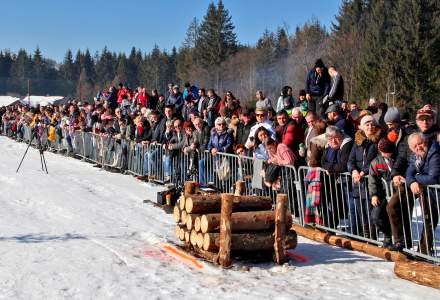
(387, 243)
(397, 246)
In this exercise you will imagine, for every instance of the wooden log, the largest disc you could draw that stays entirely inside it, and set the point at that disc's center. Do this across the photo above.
(243, 221)
(346, 243)
(176, 213)
(225, 230)
(177, 231)
(203, 204)
(240, 188)
(190, 187)
(280, 229)
(418, 272)
(182, 202)
(182, 234)
(197, 223)
(187, 236)
(190, 220)
(199, 240)
(183, 216)
(249, 241)
(193, 238)
(209, 256)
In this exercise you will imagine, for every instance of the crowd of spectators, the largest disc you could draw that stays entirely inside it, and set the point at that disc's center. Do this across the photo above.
(311, 127)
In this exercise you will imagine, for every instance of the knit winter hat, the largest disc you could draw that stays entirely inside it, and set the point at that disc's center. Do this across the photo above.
(386, 146)
(367, 119)
(392, 115)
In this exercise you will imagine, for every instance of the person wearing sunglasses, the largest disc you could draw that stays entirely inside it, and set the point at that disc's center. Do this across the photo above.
(262, 121)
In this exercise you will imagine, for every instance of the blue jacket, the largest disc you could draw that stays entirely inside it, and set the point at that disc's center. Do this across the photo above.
(176, 100)
(429, 171)
(222, 142)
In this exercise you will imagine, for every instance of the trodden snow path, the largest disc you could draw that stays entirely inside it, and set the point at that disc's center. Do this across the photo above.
(84, 233)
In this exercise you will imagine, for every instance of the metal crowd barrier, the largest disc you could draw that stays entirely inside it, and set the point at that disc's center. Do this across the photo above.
(416, 220)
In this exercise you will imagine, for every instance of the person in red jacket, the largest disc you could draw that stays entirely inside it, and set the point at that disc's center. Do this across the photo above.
(121, 92)
(289, 132)
(142, 97)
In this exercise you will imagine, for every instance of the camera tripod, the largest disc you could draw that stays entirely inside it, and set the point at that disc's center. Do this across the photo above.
(40, 149)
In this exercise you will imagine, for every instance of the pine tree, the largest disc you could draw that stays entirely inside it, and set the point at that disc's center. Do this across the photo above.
(192, 35)
(38, 64)
(22, 66)
(84, 88)
(282, 44)
(88, 65)
(132, 68)
(347, 39)
(217, 40)
(5, 64)
(414, 50)
(266, 47)
(121, 70)
(105, 67)
(67, 69)
(374, 74)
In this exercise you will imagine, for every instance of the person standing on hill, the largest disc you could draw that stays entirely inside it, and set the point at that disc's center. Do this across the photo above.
(317, 87)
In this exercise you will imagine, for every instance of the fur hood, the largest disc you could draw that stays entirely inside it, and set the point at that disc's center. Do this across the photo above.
(360, 137)
(319, 140)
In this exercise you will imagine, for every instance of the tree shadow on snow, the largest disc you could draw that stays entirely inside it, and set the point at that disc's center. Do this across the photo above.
(42, 237)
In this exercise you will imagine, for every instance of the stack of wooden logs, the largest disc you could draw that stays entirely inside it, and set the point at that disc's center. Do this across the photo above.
(213, 225)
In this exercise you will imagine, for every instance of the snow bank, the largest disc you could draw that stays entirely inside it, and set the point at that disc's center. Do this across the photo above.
(42, 100)
(84, 233)
(6, 100)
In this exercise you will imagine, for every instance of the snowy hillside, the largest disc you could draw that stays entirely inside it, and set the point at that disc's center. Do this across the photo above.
(84, 233)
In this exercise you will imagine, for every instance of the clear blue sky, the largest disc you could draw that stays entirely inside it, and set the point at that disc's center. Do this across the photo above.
(56, 25)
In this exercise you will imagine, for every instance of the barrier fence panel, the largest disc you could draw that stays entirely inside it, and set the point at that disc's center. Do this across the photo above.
(415, 219)
(289, 184)
(335, 203)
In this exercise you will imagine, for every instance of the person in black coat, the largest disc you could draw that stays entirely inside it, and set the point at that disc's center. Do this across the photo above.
(317, 87)
(363, 152)
(157, 136)
(336, 92)
(244, 127)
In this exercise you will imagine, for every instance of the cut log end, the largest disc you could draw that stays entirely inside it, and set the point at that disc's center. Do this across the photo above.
(183, 216)
(193, 238)
(182, 201)
(182, 234)
(418, 272)
(190, 187)
(189, 204)
(200, 240)
(197, 224)
(176, 213)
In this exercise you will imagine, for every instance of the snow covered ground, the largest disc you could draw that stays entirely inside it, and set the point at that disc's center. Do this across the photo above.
(84, 233)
